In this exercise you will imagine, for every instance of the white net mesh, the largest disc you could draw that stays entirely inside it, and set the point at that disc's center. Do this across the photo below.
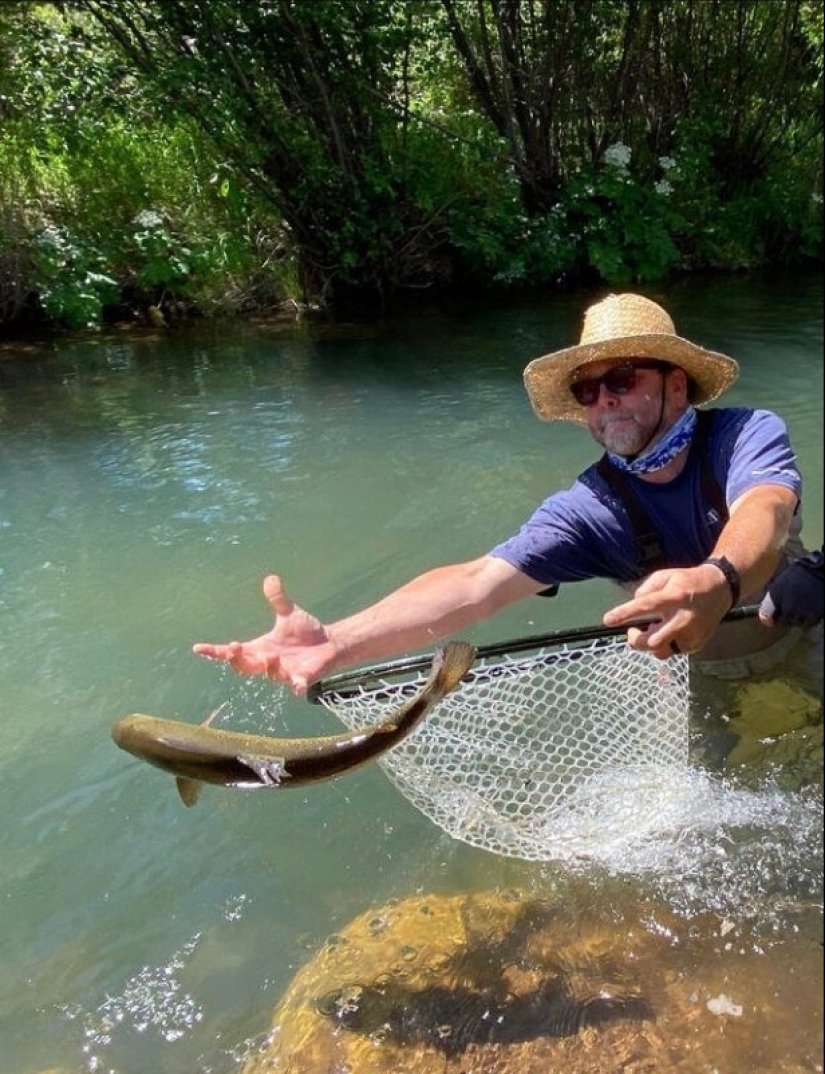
(541, 756)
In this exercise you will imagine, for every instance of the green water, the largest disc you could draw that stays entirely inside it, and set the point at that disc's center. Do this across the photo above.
(147, 483)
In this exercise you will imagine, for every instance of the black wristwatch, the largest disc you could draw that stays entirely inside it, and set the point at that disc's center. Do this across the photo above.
(731, 576)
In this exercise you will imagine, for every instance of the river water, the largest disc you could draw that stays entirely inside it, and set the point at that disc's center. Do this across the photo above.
(147, 484)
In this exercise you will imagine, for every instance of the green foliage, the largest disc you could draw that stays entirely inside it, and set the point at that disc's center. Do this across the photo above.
(71, 278)
(500, 243)
(625, 226)
(732, 90)
(228, 155)
(87, 160)
(606, 223)
(164, 260)
(294, 97)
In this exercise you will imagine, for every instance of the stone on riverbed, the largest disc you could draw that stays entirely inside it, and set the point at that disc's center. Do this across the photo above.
(494, 984)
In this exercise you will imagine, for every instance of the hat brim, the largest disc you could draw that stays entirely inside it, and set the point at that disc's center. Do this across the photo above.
(547, 379)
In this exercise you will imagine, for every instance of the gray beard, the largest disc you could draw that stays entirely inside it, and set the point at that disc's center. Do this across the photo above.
(624, 438)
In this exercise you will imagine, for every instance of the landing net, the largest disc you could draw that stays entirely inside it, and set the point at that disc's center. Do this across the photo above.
(542, 755)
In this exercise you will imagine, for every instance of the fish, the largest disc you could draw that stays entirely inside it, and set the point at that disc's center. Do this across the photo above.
(197, 753)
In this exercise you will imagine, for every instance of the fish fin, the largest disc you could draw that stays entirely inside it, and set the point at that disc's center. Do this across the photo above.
(456, 659)
(271, 771)
(215, 712)
(188, 789)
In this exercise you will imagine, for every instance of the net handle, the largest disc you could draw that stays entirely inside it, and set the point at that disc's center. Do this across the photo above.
(394, 668)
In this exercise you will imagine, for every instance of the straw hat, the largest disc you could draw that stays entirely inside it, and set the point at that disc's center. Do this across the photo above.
(623, 326)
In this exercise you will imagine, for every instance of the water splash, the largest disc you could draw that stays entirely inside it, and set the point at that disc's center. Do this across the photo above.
(709, 844)
(152, 1000)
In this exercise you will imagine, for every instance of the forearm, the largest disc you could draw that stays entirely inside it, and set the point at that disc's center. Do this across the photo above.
(755, 535)
(432, 606)
(688, 603)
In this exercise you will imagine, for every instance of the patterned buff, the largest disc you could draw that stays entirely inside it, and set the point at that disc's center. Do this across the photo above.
(675, 439)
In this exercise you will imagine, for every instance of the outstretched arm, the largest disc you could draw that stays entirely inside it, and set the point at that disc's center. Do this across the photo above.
(689, 603)
(300, 648)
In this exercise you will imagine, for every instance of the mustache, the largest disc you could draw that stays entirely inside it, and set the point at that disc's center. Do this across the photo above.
(616, 416)
(607, 423)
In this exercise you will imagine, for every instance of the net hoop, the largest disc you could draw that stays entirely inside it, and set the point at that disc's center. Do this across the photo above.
(552, 747)
(340, 686)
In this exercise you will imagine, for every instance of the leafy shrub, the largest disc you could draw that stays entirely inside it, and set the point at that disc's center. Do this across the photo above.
(606, 222)
(624, 226)
(71, 278)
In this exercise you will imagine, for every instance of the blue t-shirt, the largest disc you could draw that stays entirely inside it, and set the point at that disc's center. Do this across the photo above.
(584, 531)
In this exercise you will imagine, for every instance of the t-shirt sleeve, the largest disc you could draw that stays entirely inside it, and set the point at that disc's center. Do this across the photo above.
(760, 454)
(570, 537)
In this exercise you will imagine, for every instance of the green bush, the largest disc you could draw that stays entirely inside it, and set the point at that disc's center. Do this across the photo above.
(71, 278)
(606, 223)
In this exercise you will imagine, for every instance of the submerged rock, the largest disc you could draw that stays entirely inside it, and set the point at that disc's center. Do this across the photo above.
(494, 984)
(779, 734)
(774, 707)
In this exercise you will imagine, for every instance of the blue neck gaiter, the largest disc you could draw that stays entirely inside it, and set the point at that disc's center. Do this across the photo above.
(675, 440)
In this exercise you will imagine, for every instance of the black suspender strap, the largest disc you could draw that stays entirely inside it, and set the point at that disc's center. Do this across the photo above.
(713, 493)
(651, 555)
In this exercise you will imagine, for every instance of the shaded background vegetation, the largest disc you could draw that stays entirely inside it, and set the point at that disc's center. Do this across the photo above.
(226, 156)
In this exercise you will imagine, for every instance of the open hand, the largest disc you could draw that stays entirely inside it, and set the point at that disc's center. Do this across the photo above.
(296, 651)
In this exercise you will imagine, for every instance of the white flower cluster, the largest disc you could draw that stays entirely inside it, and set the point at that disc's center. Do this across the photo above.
(667, 164)
(618, 156)
(54, 238)
(148, 219)
(664, 188)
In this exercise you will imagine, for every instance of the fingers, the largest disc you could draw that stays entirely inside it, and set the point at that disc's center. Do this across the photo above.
(267, 655)
(646, 603)
(659, 640)
(232, 654)
(211, 652)
(299, 685)
(618, 616)
(636, 609)
(275, 670)
(238, 657)
(275, 593)
(661, 618)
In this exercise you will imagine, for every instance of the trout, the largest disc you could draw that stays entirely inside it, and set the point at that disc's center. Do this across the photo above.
(198, 754)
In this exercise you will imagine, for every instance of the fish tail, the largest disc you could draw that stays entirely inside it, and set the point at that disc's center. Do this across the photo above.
(456, 659)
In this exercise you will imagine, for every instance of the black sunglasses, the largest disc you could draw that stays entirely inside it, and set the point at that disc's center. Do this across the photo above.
(619, 380)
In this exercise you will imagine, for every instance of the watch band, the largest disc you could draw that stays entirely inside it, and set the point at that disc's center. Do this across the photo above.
(731, 576)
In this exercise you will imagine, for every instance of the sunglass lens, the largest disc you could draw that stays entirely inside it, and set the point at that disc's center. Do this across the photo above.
(585, 392)
(618, 381)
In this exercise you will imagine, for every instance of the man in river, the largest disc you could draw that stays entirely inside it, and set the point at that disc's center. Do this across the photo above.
(692, 511)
